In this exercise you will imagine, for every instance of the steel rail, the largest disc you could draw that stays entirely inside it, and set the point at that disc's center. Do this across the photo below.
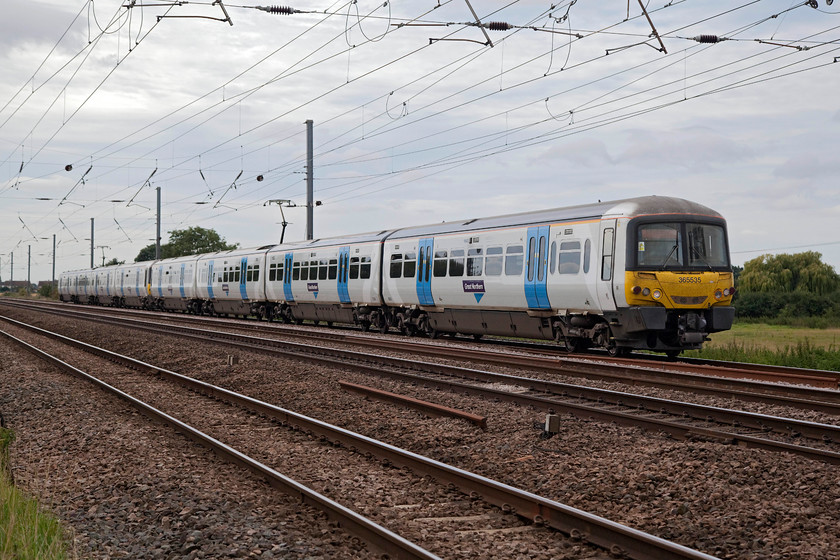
(738, 372)
(373, 533)
(345, 359)
(633, 373)
(614, 537)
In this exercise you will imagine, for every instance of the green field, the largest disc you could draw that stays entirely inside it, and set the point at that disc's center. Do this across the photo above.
(774, 337)
(762, 343)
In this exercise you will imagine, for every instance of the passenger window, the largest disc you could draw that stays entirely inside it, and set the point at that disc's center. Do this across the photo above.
(333, 270)
(296, 271)
(396, 265)
(322, 269)
(513, 260)
(410, 265)
(494, 261)
(475, 262)
(354, 268)
(364, 271)
(304, 270)
(456, 263)
(569, 257)
(439, 268)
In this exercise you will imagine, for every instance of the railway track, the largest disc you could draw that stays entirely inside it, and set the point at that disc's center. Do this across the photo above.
(680, 419)
(157, 384)
(597, 365)
(628, 372)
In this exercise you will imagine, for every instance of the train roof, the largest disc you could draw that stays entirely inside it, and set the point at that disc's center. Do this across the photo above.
(624, 208)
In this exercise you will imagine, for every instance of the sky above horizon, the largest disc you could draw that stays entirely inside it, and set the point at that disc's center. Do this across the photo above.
(417, 118)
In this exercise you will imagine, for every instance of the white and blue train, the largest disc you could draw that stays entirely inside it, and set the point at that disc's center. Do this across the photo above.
(642, 273)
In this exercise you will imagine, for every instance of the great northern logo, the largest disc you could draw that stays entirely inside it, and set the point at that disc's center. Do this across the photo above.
(475, 287)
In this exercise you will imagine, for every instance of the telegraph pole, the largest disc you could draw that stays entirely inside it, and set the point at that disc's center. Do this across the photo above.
(310, 205)
(157, 237)
(91, 243)
(28, 268)
(53, 270)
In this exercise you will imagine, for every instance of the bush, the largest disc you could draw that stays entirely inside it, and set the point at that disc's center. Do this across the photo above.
(789, 307)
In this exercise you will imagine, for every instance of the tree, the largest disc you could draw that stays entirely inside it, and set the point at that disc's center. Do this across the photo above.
(801, 272)
(190, 241)
(114, 262)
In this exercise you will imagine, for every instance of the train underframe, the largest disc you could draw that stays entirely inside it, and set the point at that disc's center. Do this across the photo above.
(635, 328)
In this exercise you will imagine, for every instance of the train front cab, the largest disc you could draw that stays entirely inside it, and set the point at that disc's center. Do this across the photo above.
(678, 283)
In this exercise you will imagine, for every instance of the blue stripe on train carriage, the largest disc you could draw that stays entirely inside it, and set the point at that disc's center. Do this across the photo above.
(210, 279)
(243, 267)
(160, 281)
(536, 268)
(425, 253)
(183, 267)
(287, 277)
(343, 270)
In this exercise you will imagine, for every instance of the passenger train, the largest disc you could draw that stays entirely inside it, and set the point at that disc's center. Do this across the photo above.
(647, 273)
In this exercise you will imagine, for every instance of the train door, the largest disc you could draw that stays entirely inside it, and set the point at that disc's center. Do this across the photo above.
(181, 279)
(606, 268)
(287, 277)
(343, 270)
(243, 269)
(424, 271)
(210, 279)
(536, 268)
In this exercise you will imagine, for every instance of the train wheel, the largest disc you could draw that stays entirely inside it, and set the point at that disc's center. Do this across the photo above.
(573, 344)
(477, 336)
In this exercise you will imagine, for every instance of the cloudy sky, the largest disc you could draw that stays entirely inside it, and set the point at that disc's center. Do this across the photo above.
(417, 118)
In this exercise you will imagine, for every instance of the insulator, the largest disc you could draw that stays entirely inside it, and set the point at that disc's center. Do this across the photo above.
(707, 39)
(498, 26)
(285, 10)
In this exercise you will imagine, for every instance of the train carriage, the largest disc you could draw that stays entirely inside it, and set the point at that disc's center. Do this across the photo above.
(330, 280)
(131, 284)
(232, 282)
(172, 284)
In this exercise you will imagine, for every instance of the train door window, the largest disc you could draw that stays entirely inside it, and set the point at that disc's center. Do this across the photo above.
(456, 262)
(514, 257)
(364, 270)
(607, 252)
(541, 264)
(439, 266)
(396, 265)
(475, 262)
(569, 258)
(532, 257)
(354, 268)
(410, 265)
(552, 259)
(494, 262)
(587, 249)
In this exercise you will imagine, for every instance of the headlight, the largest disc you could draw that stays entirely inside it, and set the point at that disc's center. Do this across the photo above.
(718, 294)
(657, 294)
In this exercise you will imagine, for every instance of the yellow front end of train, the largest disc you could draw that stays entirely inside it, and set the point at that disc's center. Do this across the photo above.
(679, 290)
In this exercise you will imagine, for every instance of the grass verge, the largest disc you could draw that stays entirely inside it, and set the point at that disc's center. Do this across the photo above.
(25, 532)
(781, 345)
